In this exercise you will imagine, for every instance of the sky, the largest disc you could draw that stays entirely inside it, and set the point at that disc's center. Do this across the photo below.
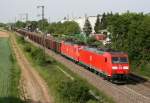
(56, 10)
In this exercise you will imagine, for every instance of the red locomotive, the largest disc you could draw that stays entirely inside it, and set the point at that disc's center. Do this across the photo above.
(113, 65)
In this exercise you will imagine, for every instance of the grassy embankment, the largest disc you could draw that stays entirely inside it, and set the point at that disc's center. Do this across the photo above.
(61, 86)
(144, 70)
(9, 74)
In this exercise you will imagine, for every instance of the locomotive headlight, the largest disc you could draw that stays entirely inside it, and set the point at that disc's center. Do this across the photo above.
(114, 67)
(125, 67)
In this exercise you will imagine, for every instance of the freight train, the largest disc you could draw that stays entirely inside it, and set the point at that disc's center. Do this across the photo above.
(112, 65)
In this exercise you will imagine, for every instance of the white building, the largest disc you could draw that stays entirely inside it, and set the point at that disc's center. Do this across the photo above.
(81, 21)
(92, 20)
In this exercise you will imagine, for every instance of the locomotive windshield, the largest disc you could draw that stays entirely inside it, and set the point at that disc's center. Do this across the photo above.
(119, 60)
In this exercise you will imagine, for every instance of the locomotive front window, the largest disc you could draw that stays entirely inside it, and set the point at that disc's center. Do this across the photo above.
(123, 60)
(119, 60)
(115, 60)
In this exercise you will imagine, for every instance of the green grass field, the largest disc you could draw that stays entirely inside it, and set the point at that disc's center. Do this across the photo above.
(5, 67)
(9, 74)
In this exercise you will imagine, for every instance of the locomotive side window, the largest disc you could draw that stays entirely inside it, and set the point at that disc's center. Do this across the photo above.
(105, 59)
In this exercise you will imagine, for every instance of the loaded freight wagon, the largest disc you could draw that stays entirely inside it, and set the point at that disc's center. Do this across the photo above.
(113, 65)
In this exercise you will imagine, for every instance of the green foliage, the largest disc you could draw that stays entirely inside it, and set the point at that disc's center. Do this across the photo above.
(21, 39)
(91, 41)
(74, 91)
(92, 101)
(68, 27)
(42, 25)
(130, 32)
(97, 25)
(28, 48)
(103, 24)
(36, 53)
(20, 24)
(87, 29)
(2, 25)
(32, 25)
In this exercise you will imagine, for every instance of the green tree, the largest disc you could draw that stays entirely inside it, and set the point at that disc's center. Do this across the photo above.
(87, 29)
(103, 22)
(130, 32)
(20, 24)
(97, 25)
(68, 27)
(2, 25)
(32, 25)
(71, 27)
(43, 24)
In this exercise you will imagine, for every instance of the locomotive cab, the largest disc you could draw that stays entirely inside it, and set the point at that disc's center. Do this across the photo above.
(120, 67)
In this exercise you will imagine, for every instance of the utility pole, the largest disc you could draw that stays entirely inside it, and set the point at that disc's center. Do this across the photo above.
(42, 11)
(26, 16)
(44, 35)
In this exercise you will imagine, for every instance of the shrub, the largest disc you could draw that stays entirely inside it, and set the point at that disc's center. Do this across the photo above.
(27, 48)
(74, 91)
(38, 55)
(21, 39)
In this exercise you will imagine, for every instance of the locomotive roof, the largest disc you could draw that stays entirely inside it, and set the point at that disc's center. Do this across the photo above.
(94, 50)
(102, 50)
(72, 43)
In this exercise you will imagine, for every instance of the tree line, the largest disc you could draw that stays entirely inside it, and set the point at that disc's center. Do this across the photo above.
(68, 27)
(129, 32)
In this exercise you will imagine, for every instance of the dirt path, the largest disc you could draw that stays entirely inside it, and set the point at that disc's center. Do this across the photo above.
(33, 86)
(3, 34)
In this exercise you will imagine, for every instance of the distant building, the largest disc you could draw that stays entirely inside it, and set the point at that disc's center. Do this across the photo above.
(103, 36)
(81, 21)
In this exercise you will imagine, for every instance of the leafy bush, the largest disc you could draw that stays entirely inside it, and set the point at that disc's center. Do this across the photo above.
(38, 55)
(91, 41)
(21, 39)
(27, 48)
(92, 101)
(68, 27)
(74, 91)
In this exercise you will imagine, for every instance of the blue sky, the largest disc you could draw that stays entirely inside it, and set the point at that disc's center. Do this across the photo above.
(55, 10)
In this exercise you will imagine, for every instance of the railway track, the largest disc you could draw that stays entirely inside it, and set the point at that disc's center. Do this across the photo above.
(136, 79)
(139, 84)
(120, 93)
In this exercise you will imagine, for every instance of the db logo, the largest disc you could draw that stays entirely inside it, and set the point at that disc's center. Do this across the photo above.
(120, 67)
